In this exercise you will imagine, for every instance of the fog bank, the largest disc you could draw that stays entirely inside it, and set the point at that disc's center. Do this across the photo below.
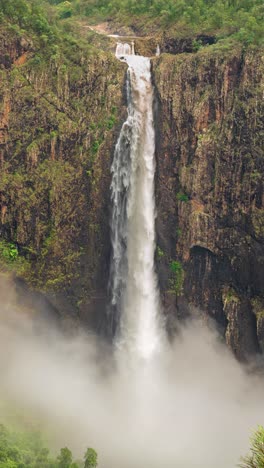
(191, 406)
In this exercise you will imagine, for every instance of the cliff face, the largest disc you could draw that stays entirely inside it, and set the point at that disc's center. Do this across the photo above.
(210, 218)
(59, 116)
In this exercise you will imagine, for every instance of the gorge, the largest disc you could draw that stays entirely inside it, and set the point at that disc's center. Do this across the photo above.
(207, 109)
(131, 232)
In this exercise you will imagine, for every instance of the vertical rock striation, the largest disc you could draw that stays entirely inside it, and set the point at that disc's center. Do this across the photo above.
(60, 110)
(210, 188)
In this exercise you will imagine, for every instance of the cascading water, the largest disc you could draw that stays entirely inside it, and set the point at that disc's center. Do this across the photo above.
(135, 296)
(124, 49)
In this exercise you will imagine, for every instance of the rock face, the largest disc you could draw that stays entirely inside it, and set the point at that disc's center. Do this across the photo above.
(60, 115)
(185, 45)
(59, 118)
(210, 188)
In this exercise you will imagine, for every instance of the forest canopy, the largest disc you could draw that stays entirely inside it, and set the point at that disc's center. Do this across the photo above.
(241, 19)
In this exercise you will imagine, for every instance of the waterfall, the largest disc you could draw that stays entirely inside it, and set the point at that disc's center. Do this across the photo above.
(133, 281)
(124, 49)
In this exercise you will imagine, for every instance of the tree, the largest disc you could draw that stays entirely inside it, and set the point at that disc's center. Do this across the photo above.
(90, 458)
(65, 458)
(256, 458)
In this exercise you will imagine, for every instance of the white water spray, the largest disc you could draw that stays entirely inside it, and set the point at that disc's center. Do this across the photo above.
(135, 295)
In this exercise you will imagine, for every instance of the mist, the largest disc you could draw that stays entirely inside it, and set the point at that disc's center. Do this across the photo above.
(191, 405)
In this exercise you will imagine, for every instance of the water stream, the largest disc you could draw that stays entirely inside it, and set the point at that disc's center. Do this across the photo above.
(135, 295)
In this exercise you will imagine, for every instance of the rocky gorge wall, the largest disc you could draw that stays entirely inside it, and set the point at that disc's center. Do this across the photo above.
(60, 115)
(210, 215)
(60, 112)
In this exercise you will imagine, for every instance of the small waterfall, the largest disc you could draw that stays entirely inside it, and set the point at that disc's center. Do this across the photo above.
(158, 51)
(133, 281)
(124, 49)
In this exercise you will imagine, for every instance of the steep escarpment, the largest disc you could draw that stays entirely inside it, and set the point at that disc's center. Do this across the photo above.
(210, 252)
(60, 111)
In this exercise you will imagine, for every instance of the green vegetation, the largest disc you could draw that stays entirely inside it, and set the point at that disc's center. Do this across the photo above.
(64, 459)
(177, 277)
(65, 10)
(242, 19)
(31, 16)
(230, 295)
(110, 122)
(256, 458)
(10, 260)
(26, 449)
(8, 251)
(90, 458)
(196, 45)
(182, 197)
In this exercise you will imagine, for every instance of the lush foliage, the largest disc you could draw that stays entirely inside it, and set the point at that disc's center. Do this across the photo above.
(26, 449)
(256, 457)
(90, 458)
(28, 15)
(8, 251)
(242, 18)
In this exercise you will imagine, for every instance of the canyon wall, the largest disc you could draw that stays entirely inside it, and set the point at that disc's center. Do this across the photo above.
(61, 110)
(210, 215)
(60, 114)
